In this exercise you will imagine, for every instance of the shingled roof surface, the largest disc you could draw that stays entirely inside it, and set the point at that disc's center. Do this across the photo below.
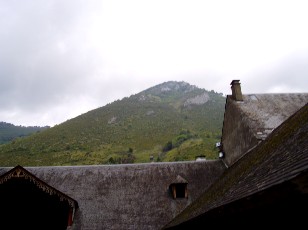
(281, 157)
(132, 196)
(265, 112)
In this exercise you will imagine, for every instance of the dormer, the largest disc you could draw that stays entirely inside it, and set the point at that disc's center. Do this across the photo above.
(178, 188)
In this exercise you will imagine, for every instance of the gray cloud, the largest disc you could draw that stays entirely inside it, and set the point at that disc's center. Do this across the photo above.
(288, 75)
(59, 59)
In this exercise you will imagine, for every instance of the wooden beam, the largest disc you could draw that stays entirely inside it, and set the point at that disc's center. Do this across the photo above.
(70, 217)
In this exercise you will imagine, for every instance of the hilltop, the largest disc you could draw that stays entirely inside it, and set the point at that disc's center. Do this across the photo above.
(172, 121)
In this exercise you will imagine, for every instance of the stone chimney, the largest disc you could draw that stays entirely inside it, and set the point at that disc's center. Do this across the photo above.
(236, 90)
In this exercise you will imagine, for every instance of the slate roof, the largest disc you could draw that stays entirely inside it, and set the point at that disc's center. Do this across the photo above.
(265, 112)
(281, 157)
(250, 121)
(133, 196)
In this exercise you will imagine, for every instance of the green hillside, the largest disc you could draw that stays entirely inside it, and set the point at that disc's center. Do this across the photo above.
(9, 132)
(172, 121)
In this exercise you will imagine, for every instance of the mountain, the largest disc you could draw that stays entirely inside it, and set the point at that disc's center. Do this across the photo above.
(172, 121)
(9, 132)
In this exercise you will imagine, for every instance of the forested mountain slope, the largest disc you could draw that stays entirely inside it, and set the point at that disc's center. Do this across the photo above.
(172, 121)
(9, 132)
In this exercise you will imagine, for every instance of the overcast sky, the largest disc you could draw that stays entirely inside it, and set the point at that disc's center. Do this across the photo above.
(62, 58)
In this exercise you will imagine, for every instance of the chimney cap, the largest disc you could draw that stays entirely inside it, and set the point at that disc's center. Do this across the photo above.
(235, 82)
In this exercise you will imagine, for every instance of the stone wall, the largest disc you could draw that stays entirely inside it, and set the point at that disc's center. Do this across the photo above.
(237, 137)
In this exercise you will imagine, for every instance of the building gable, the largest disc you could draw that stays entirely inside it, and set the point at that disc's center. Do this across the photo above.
(250, 119)
(29, 203)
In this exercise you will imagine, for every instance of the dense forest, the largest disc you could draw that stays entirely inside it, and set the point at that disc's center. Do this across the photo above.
(9, 132)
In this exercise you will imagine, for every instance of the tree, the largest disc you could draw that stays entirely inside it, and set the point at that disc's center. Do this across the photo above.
(167, 146)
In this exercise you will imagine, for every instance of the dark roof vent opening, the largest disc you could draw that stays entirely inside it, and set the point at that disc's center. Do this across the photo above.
(179, 191)
(236, 90)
